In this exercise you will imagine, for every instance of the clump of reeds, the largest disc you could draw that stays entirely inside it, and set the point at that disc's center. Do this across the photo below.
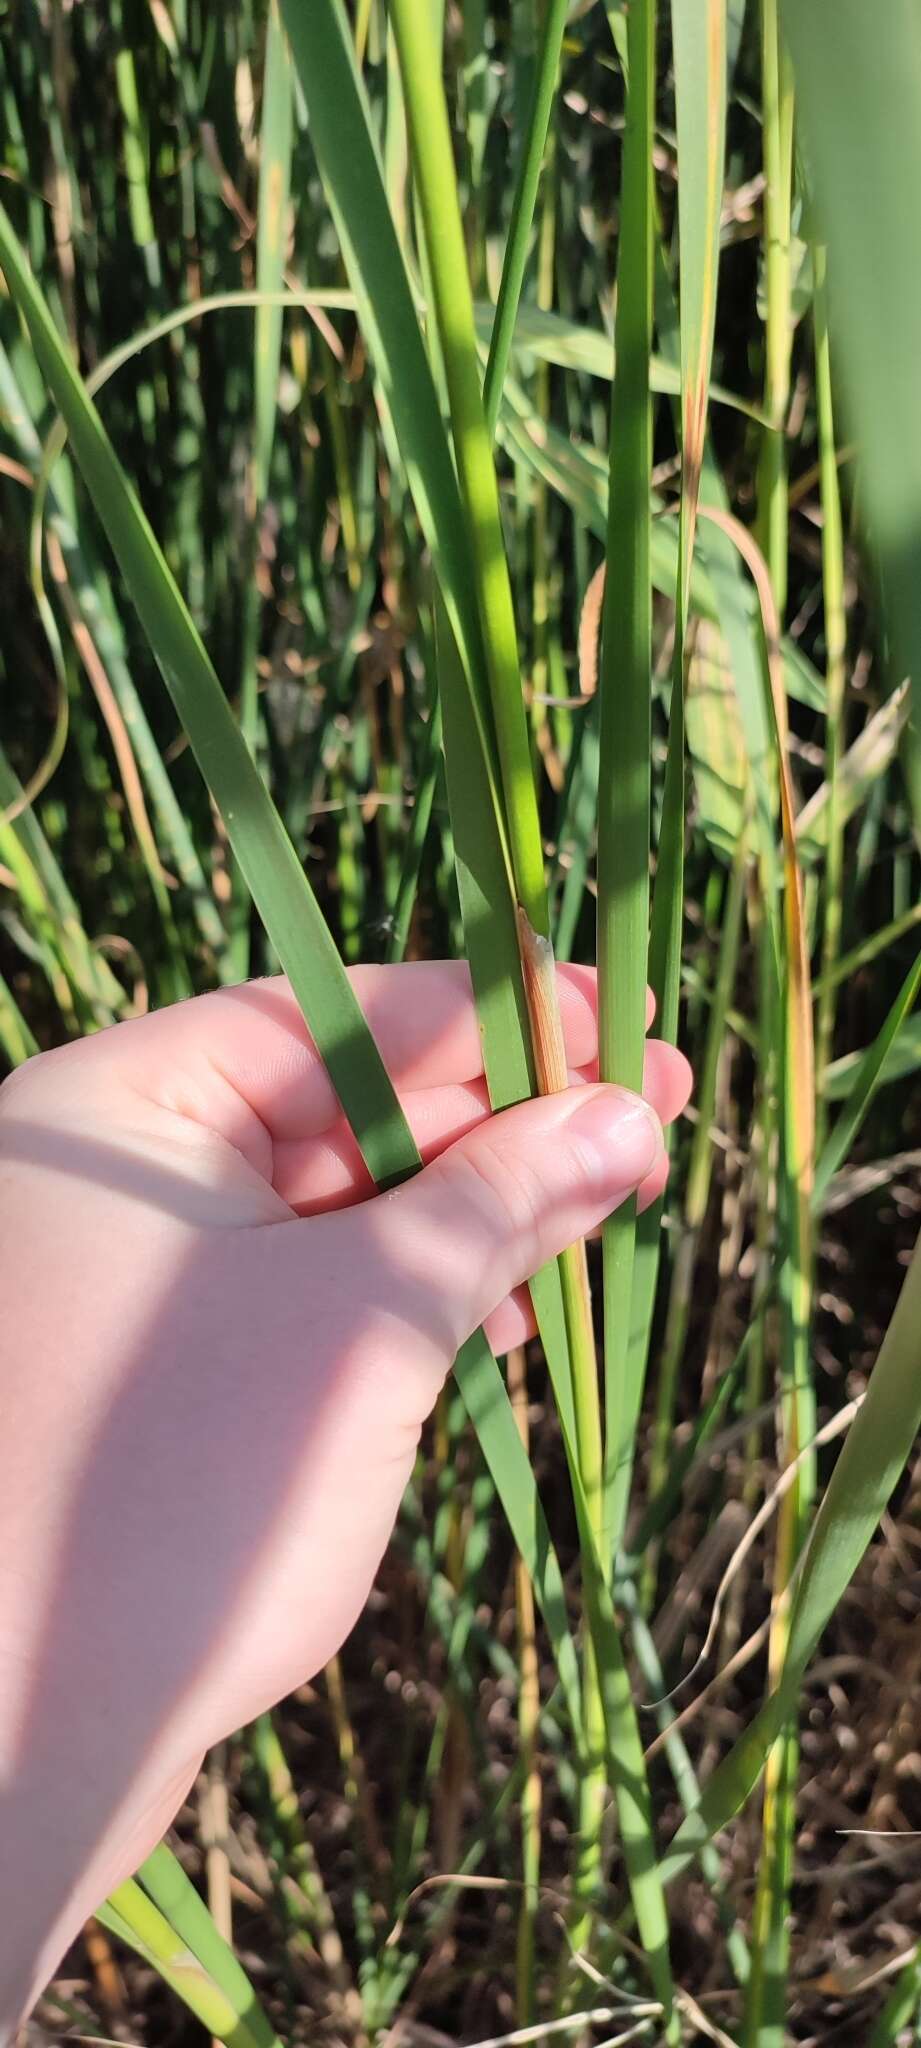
(528, 773)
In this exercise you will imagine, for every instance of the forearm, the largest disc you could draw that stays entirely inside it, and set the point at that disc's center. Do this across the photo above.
(73, 1759)
(63, 1847)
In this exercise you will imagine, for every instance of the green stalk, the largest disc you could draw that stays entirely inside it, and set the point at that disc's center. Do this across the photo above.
(528, 1736)
(869, 1070)
(136, 165)
(223, 2011)
(835, 655)
(870, 948)
(446, 256)
(607, 1722)
(539, 564)
(697, 1192)
(625, 714)
(699, 47)
(777, 124)
(275, 139)
(766, 1997)
(515, 259)
(407, 890)
(436, 185)
(624, 783)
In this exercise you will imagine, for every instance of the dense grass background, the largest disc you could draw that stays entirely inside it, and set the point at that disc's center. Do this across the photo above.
(159, 158)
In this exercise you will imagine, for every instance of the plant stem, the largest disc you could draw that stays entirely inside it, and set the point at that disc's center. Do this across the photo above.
(835, 653)
(436, 184)
(697, 1193)
(516, 248)
(528, 1732)
(624, 690)
(777, 95)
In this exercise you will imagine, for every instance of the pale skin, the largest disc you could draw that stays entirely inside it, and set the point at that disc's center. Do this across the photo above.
(216, 1358)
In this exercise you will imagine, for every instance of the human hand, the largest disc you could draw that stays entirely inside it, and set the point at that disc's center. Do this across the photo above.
(217, 1359)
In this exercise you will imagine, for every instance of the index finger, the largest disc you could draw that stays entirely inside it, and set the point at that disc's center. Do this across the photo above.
(254, 1039)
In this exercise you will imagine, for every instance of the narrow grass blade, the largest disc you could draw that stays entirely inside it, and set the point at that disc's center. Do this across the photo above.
(275, 142)
(834, 605)
(901, 2006)
(854, 773)
(426, 784)
(624, 784)
(163, 1879)
(798, 1172)
(699, 46)
(240, 2022)
(864, 1085)
(607, 1706)
(552, 338)
(871, 1462)
(777, 99)
(273, 872)
(433, 162)
(516, 249)
(74, 965)
(275, 139)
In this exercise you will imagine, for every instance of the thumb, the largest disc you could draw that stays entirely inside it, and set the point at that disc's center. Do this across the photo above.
(512, 1193)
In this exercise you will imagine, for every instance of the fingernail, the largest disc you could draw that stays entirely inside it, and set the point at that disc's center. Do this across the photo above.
(622, 1131)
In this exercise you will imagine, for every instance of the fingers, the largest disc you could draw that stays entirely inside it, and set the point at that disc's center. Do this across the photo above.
(244, 1054)
(667, 1079)
(512, 1323)
(478, 1221)
(328, 1172)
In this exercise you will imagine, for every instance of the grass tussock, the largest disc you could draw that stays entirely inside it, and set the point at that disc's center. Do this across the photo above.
(461, 493)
